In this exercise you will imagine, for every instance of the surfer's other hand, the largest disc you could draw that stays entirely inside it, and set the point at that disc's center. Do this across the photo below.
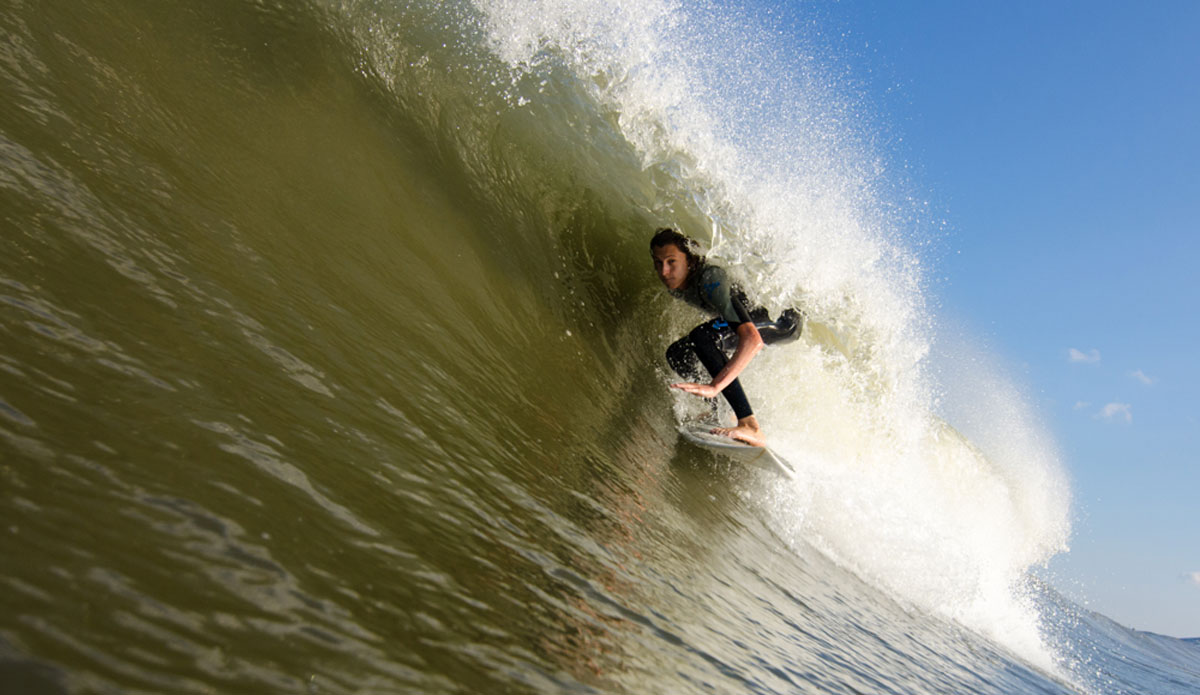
(702, 390)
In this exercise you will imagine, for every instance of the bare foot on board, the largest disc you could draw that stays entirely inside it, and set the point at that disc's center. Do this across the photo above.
(747, 431)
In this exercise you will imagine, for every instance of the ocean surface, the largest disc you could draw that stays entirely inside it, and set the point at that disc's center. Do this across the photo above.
(331, 362)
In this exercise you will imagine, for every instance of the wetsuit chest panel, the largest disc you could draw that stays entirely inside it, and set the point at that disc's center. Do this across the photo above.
(711, 291)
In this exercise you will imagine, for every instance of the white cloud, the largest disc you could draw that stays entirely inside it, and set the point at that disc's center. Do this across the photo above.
(1141, 376)
(1194, 578)
(1116, 411)
(1081, 405)
(1090, 357)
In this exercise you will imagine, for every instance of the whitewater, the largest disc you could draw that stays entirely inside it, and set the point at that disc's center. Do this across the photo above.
(331, 361)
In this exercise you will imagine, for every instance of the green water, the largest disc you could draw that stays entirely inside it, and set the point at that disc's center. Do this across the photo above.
(264, 352)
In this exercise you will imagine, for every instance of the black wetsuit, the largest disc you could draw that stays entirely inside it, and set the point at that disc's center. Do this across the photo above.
(712, 342)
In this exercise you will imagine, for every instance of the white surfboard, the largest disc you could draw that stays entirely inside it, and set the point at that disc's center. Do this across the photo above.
(761, 456)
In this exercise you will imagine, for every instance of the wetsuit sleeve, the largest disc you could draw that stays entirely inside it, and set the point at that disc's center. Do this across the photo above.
(718, 294)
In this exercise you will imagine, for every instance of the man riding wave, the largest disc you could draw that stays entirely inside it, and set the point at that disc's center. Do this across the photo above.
(726, 344)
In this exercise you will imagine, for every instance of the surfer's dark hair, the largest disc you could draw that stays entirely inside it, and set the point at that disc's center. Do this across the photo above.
(665, 236)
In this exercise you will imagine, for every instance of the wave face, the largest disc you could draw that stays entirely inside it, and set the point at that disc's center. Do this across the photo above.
(331, 362)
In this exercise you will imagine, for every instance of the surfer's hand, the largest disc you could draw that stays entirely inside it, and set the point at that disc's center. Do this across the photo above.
(702, 390)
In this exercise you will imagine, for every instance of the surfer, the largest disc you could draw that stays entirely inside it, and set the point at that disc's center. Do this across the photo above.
(725, 344)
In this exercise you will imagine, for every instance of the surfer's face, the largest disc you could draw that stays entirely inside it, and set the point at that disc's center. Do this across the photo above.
(671, 264)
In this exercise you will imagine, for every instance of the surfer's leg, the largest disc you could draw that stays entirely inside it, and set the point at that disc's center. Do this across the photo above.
(708, 340)
(682, 358)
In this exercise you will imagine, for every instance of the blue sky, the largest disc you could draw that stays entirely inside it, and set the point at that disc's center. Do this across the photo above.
(1060, 141)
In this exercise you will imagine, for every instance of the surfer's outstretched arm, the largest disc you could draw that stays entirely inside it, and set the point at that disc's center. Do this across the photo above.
(747, 429)
(749, 343)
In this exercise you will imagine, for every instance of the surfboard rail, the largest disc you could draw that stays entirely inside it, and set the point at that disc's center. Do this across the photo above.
(762, 456)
